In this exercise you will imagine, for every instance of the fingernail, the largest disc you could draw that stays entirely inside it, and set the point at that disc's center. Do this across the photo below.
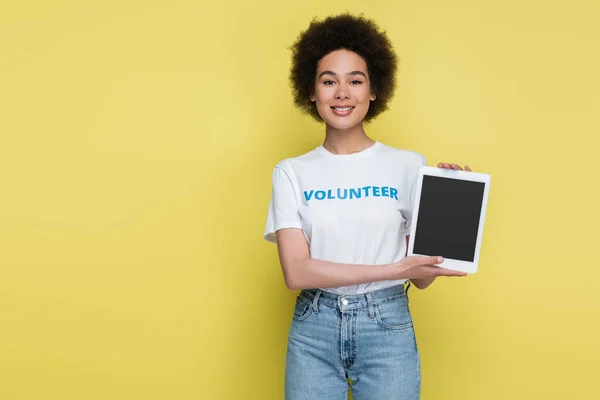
(440, 259)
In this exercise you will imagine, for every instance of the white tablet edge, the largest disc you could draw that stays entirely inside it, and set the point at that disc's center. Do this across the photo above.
(449, 263)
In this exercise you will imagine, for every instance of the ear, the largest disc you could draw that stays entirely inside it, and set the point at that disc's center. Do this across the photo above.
(373, 96)
(312, 98)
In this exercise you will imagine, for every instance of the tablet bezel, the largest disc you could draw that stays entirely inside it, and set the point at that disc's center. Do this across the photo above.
(449, 263)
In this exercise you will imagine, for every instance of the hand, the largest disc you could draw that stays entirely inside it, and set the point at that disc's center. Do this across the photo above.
(422, 267)
(455, 167)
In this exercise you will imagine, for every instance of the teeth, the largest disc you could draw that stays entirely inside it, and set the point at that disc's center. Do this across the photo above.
(343, 109)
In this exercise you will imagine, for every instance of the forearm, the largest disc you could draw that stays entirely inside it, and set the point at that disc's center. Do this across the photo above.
(313, 273)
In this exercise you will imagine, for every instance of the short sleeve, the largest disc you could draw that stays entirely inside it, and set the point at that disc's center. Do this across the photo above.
(283, 206)
(412, 189)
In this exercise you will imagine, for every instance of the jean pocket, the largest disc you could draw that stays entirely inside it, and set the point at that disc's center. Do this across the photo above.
(301, 310)
(394, 314)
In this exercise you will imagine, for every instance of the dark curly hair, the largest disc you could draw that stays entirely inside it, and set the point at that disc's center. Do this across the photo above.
(345, 31)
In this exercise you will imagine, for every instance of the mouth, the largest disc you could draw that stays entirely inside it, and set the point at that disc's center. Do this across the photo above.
(342, 111)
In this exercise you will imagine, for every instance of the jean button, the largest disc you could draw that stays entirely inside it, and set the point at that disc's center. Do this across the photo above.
(345, 302)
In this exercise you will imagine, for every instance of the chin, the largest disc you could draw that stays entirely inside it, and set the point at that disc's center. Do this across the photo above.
(342, 126)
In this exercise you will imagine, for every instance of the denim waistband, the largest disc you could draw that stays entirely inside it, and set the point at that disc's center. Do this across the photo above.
(353, 301)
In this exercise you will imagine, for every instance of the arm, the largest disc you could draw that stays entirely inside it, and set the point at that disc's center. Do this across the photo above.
(302, 272)
(419, 283)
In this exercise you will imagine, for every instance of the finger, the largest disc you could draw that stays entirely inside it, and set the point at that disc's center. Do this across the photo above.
(434, 271)
(467, 168)
(444, 165)
(456, 167)
(450, 272)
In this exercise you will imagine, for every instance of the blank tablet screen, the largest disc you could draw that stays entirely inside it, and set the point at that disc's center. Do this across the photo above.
(448, 219)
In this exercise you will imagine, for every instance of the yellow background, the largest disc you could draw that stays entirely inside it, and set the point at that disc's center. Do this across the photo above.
(137, 141)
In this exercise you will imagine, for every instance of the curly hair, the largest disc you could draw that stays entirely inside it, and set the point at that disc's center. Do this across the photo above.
(345, 31)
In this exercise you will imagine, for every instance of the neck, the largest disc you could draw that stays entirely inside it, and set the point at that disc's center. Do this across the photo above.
(346, 141)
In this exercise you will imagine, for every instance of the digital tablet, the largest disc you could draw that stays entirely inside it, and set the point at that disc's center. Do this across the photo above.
(448, 215)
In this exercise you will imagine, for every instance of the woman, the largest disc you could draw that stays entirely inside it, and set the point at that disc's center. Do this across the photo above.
(340, 215)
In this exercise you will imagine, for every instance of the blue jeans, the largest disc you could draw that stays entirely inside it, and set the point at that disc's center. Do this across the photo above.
(368, 338)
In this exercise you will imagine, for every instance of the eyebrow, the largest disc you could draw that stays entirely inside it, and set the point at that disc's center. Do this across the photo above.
(349, 73)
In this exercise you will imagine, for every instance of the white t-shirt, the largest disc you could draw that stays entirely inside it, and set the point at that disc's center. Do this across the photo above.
(353, 208)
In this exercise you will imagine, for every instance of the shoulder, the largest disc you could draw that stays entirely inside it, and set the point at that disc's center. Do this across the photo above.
(289, 165)
(402, 156)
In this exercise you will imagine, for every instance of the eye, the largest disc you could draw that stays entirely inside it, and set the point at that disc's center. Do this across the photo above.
(328, 82)
(356, 82)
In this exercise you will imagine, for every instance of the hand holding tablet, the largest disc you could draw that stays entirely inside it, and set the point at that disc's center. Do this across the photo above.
(422, 267)
(448, 216)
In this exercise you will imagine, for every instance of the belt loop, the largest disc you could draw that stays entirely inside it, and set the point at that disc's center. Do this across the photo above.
(370, 304)
(315, 300)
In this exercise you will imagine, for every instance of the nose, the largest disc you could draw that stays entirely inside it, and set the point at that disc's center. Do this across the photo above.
(342, 92)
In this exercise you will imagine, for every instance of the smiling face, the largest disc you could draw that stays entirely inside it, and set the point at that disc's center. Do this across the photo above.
(342, 89)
